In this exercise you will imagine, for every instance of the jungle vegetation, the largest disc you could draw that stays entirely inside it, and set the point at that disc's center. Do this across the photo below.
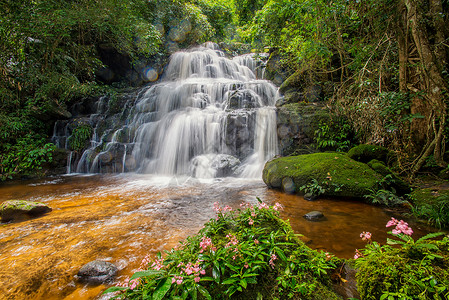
(385, 62)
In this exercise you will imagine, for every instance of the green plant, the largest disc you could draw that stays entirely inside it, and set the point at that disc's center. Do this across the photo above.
(25, 157)
(334, 135)
(414, 270)
(436, 214)
(80, 136)
(232, 255)
(385, 197)
(315, 188)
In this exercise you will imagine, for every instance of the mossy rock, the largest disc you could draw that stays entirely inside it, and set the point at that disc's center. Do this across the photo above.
(365, 153)
(397, 183)
(20, 210)
(295, 81)
(338, 174)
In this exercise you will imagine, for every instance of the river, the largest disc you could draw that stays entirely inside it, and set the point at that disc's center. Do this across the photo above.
(123, 218)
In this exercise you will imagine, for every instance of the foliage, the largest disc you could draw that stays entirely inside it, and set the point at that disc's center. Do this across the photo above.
(25, 157)
(80, 136)
(316, 189)
(418, 269)
(240, 254)
(335, 135)
(431, 206)
(385, 197)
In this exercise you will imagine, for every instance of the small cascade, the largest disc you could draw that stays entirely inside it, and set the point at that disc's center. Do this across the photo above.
(209, 116)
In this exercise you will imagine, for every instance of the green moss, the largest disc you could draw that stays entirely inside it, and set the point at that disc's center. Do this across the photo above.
(400, 186)
(295, 81)
(365, 153)
(355, 179)
(407, 273)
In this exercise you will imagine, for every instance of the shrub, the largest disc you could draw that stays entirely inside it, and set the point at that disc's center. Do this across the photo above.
(245, 254)
(414, 270)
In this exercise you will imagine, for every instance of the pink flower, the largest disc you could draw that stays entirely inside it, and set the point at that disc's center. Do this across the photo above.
(179, 281)
(256, 242)
(357, 254)
(206, 243)
(232, 240)
(401, 227)
(246, 266)
(365, 236)
(278, 207)
(203, 272)
(263, 206)
(272, 259)
(251, 222)
(173, 280)
(197, 279)
(392, 222)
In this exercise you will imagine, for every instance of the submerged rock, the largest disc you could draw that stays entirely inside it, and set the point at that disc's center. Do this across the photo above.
(314, 215)
(14, 210)
(97, 272)
(335, 173)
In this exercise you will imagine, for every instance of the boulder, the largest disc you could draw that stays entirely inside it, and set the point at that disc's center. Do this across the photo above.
(15, 210)
(365, 153)
(314, 215)
(296, 126)
(336, 173)
(400, 186)
(97, 272)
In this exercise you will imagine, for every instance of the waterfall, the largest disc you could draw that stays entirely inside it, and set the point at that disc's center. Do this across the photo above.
(208, 116)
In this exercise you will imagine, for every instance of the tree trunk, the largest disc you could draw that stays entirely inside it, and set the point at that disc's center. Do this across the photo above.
(427, 30)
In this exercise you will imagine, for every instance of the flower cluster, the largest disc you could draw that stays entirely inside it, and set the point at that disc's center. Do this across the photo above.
(189, 269)
(263, 205)
(272, 259)
(401, 227)
(366, 236)
(357, 254)
(278, 207)
(177, 279)
(206, 244)
(129, 284)
(232, 240)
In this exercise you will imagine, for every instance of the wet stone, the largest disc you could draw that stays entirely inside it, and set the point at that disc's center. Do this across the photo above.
(288, 185)
(97, 272)
(310, 197)
(16, 210)
(314, 216)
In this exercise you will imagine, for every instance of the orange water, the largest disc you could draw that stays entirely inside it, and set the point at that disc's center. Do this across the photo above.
(121, 219)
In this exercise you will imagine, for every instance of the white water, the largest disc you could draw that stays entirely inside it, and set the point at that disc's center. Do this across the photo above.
(208, 117)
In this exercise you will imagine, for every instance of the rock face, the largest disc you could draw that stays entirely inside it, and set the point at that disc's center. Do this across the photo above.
(296, 126)
(97, 272)
(314, 215)
(15, 210)
(336, 173)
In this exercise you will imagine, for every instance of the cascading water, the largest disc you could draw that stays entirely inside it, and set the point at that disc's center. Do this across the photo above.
(208, 117)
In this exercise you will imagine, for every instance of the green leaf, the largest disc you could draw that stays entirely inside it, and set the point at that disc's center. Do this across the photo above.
(146, 273)
(230, 280)
(162, 288)
(243, 283)
(204, 292)
(113, 289)
(394, 242)
(429, 236)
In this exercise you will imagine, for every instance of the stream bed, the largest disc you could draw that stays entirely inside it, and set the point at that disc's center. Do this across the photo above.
(123, 218)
